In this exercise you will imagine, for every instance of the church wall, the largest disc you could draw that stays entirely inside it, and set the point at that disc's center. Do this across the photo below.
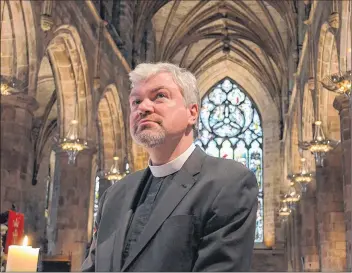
(269, 261)
(324, 222)
(69, 201)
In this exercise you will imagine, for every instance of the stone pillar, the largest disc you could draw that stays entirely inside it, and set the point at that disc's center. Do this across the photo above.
(331, 226)
(343, 105)
(16, 149)
(309, 242)
(73, 189)
(297, 237)
(290, 244)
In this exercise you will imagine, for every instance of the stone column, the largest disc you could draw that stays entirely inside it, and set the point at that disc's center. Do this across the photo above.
(297, 224)
(343, 105)
(330, 212)
(73, 189)
(16, 149)
(308, 244)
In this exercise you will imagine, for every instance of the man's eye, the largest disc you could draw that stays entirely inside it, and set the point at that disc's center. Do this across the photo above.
(160, 95)
(136, 102)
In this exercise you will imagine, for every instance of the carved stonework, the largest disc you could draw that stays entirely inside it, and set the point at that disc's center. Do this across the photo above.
(311, 84)
(37, 123)
(334, 20)
(46, 21)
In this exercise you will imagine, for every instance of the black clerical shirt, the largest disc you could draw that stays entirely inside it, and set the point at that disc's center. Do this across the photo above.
(153, 189)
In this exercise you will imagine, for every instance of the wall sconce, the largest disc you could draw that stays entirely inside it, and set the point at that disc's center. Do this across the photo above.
(339, 83)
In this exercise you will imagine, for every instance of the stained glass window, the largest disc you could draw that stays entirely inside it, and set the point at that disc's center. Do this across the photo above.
(230, 127)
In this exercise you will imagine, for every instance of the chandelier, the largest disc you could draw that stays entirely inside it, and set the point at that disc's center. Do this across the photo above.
(319, 146)
(339, 83)
(9, 86)
(114, 174)
(127, 167)
(303, 177)
(292, 197)
(284, 211)
(72, 144)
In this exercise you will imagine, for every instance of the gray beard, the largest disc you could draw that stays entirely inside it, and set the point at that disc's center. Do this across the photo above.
(149, 139)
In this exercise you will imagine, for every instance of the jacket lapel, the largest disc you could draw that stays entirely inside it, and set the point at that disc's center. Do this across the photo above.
(133, 187)
(180, 186)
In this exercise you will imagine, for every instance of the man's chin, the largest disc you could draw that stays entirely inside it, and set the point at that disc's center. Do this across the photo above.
(149, 140)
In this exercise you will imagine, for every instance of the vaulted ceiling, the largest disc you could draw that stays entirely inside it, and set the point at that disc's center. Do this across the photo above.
(256, 35)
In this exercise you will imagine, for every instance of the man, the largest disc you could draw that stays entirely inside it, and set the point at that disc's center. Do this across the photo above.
(187, 211)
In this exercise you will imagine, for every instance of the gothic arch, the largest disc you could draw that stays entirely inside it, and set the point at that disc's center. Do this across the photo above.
(268, 108)
(230, 126)
(327, 64)
(18, 44)
(68, 61)
(112, 136)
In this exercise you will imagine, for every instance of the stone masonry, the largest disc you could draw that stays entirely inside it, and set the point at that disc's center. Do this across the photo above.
(343, 106)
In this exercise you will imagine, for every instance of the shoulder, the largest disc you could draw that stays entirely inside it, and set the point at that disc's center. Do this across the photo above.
(227, 172)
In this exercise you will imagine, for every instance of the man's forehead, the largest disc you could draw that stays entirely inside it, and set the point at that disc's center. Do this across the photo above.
(150, 85)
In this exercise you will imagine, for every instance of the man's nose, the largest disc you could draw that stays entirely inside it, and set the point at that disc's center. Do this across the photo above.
(146, 106)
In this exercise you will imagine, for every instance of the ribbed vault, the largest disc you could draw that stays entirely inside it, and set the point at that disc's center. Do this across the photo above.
(256, 35)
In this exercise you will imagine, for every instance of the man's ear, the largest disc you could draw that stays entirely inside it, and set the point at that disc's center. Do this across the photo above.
(194, 113)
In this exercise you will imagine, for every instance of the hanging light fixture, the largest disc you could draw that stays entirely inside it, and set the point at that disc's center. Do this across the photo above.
(339, 83)
(303, 177)
(319, 146)
(10, 86)
(127, 167)
(72, 144)
(292, 197)
(284, 211)
(114, 174)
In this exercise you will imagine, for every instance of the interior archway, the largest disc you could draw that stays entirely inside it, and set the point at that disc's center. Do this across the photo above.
(18, 44)
(112, 129)
(230, 127)
(328, 64)
(68, 60)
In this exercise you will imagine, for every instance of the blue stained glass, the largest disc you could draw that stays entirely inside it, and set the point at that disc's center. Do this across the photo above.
(230, 127)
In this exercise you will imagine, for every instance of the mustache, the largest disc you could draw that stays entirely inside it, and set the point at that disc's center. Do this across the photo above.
(156, 120)
(137, 122)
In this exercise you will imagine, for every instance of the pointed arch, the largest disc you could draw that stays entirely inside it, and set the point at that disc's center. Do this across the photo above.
(70, 68)
(328, 64)
(18, 44)
(231, 127)
(112, 136)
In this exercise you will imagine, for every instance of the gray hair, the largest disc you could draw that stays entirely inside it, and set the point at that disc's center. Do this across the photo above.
(182, 77)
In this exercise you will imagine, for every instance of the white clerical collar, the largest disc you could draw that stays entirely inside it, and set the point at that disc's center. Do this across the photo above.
(172, 166)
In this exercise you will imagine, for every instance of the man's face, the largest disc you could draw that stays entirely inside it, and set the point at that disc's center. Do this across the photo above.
(158, 111)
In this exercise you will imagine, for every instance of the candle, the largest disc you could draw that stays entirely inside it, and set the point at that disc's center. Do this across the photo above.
(22, 258)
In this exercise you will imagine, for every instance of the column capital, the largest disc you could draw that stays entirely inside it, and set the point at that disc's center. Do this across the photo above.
(20, 101)
(341, 102)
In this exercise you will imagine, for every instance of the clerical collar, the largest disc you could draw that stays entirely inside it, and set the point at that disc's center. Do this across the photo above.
(172, 166)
